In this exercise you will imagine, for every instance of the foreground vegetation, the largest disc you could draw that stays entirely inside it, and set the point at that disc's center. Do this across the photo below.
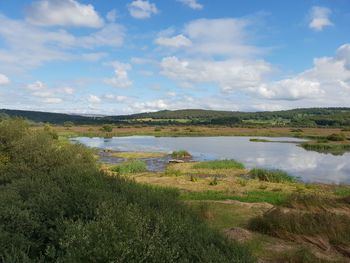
(57, 206)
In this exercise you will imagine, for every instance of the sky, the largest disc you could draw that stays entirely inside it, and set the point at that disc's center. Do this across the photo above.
(121, 57)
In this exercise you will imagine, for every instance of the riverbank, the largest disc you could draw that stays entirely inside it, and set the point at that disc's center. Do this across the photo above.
(230, 199)
(166, 131)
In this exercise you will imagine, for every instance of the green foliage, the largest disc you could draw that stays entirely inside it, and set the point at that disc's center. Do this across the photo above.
(181, 154)
(57, 206)
(170, 171)
(268, 175)
(68, 124)
(219, 164)
(107, 128)
(135, 166)
(258, 140)
(336, 137)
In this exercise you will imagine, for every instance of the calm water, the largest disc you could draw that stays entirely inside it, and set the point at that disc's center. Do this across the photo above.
(309, 166)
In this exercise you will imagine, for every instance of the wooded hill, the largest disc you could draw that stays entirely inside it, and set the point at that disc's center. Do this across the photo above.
(308, 117)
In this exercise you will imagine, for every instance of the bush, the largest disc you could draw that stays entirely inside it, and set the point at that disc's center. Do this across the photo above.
(276, 176)
(57, 206)
(336, 137)
(182, 154)
(219, 164)
(107, 128)
(131, 167)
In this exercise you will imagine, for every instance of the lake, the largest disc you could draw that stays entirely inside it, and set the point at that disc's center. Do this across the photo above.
(283, 153)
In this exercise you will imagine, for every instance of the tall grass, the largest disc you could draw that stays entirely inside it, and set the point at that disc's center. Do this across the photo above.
(219, 164)
(333, 227)
(269, 175)
(131, 167)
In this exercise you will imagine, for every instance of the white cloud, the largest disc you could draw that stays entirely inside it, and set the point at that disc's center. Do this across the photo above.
(121, 78)
(4, 80)
(94, 99)
(228, 74)
(148, 106)
(63, 13)
(192, 4)
(53, 100)
(28, 46)
(38, 85)
(112, 16)
(328, 80)
(117, 98)
(142, 9)
(225, 36)
(319, 18)
(289, 89)
(68, 90)
(174, 42)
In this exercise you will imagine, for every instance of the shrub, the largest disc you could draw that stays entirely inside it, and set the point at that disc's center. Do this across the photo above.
(131, 167)
(57, 206)
(181, 154)
(267, 175)
(107, 128)
(336, 137)
(219, 164)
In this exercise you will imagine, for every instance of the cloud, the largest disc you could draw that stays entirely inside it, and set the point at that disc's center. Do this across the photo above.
(27, 46)
(68, 90)
(192, 4)
(94, 99)
(120, 78)
(112, 16)
(63, 13)
(174, 42)
(117, 98)
(142, 9)
(38, 85)
(4, 80)
(319, 18)
(52, 100)
(228, 74)
(289, 89)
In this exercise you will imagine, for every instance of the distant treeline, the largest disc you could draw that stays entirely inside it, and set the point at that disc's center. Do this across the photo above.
(309, 117)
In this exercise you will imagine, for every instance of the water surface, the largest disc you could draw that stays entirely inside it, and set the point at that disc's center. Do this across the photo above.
(309, 166)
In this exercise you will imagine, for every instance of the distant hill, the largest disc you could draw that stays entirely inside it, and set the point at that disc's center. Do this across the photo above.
(56, 118)
(308, 117)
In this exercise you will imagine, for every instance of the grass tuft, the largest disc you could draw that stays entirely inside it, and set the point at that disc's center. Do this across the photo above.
(181, 154)
(268, 175)
(130, 167)
(219, 164)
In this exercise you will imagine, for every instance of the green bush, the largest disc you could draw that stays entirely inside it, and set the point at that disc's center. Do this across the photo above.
(336, 137)
(57, 206)
(181, 154)
(107, 128)
(219, 164)
(267, 175)
(131, 167)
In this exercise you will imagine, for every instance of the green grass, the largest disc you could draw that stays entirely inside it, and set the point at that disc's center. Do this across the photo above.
(268, 175)
(181, 154)
(130, 167)
(327, 147)
(258, 140)
(342, 191)
(219, 164)
(275, 198)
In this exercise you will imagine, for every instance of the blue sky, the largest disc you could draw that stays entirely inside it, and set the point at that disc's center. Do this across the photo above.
(121, 57)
